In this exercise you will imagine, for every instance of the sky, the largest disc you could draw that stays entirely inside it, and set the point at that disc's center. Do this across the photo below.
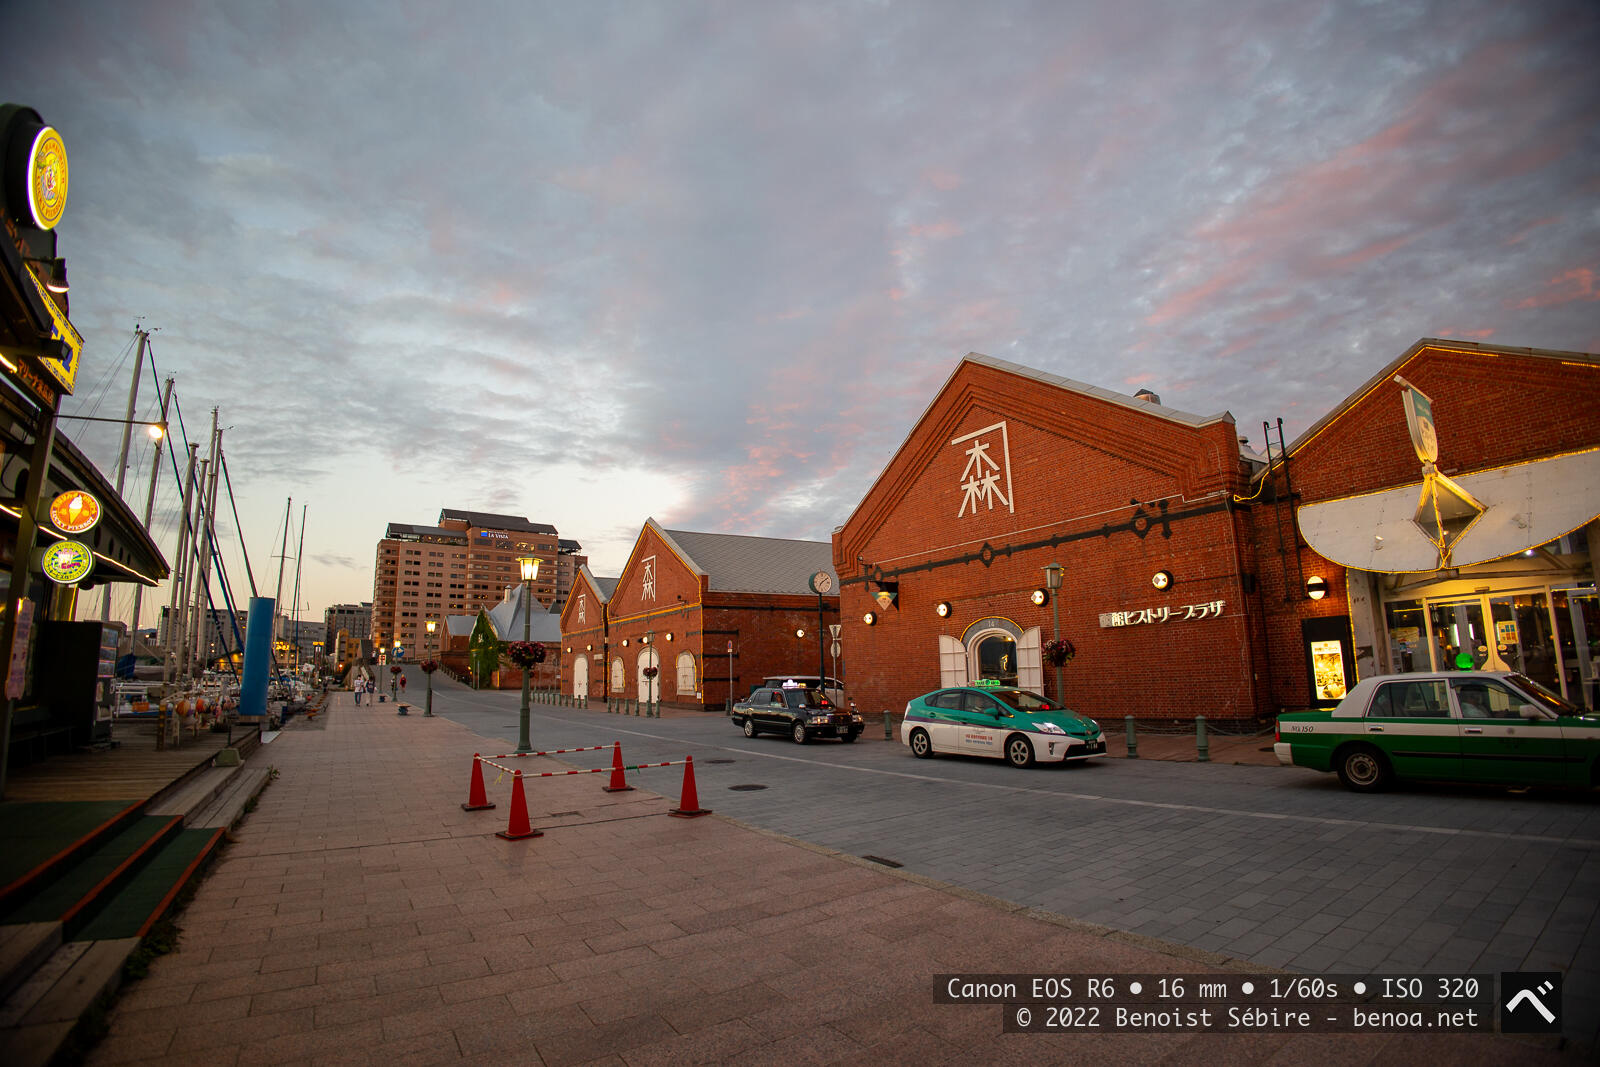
(708, 262)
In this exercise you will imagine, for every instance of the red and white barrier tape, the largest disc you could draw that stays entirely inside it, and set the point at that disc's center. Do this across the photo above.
(587, 770)
(552, 752)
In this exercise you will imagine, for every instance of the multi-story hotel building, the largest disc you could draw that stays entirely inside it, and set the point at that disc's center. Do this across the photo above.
(464, 563)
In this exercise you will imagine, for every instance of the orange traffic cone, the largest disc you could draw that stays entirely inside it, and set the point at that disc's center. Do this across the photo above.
(517, 826)
(619, 783)
(689, 805)
(477, 799)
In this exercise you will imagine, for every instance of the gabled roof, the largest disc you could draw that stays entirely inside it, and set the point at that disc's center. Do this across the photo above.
(736, 563)
(490, 521)
(1056, 381)
(1411, 353)
(507, 617)
(604, 587)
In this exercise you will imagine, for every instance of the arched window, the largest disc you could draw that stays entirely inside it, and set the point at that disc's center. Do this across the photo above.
(619, 677)
(687, 683)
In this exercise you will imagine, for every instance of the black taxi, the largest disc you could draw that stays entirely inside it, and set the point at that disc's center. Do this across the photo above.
(800, 711)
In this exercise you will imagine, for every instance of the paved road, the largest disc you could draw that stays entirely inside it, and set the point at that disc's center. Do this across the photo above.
(1278, 866)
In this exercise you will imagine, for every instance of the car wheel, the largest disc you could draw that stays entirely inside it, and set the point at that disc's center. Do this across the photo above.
(849, 736)
(921, 746)
(749, 727)
(799, 733)
(1363, 769)
(1019, 751)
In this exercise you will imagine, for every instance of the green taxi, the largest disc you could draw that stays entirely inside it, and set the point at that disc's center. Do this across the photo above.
(1474, 726)
(988, 718)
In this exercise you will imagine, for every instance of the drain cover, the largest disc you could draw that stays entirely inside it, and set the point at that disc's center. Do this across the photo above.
(746, 788)
(719, 761)
(880, 859)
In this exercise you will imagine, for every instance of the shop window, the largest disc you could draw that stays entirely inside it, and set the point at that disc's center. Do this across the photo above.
(1407, 653)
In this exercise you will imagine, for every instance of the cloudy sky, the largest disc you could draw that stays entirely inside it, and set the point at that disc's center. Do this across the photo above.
(593, 262)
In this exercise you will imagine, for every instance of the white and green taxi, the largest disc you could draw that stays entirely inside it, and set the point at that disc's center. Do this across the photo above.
(1475, 726)
(989, 718)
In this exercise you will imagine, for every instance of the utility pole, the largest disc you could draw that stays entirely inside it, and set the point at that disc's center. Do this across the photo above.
(122, 457)
(150, 500)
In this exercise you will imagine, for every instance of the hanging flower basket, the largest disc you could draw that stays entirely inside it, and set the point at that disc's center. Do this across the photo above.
(429, 666)
(525, 653)
(395, 669)
(651, 672)
(1058, 651)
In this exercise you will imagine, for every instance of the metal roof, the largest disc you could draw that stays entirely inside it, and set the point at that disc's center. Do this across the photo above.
(737, 563)
(486, 520)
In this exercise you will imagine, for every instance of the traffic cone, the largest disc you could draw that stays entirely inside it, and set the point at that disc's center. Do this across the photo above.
(477, 799)
(619, 783)
(517, 826)
(689, 804)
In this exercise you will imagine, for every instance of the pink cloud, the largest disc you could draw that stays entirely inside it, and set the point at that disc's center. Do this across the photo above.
(937, 230)
(1139, 379)
(942, 179)
(1522, 234)
(1467, 335)
(1577, 284)
(1373, 251)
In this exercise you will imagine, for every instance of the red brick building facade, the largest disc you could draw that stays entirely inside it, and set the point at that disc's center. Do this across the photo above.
(1010, 470)
(684, 599)
(1184, 562)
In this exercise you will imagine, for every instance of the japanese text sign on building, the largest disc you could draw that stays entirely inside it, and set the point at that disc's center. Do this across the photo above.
(1210, 610)
(648, 592)
(982, 475)
(583, 604)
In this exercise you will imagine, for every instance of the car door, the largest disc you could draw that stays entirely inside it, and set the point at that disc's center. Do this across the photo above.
(983, 726)
(1498, 744)
(1412, 723)
(944, 719)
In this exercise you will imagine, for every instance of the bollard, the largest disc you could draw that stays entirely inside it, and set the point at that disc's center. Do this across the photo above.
(1202, 747)
(655, 709)
(1133, 740)
(888, 725)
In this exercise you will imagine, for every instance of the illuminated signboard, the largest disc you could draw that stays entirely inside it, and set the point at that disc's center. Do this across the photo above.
(47, 178)
(67, 562)
(74, 512)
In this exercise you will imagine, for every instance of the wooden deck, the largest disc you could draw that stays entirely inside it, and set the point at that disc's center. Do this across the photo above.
(132, 771)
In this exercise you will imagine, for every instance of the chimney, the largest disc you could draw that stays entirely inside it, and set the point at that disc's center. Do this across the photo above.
(1147, 397)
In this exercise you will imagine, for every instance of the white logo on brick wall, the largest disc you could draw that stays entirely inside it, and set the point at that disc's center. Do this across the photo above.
(981, 477)
(649, 591)
(583, 606)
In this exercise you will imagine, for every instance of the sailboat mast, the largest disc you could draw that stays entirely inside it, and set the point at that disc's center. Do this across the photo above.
(122, 455)
(277, 600)
(299, 554)
(174, 616)
(150, 500)
(208, 503)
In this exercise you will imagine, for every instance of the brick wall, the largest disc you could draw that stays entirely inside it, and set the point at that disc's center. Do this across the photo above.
(1112, 492)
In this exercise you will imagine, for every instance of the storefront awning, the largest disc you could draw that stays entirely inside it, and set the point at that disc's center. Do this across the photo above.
(1525, 505)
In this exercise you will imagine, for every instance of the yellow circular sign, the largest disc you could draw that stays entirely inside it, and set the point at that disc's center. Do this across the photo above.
(47, 178)
(74, 511)
(68, 562)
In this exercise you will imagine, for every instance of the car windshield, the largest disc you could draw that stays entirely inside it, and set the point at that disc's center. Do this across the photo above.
(806, 698)
(1022, 700)
(1550, 701)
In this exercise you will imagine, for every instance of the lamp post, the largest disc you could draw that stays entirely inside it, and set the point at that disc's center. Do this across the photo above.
(394, 673)
(427, 712)
(1052, 582)
(530, 570)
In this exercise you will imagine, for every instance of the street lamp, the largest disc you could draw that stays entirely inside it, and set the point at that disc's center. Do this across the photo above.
(394, 672)
(1052, 582)
(427, 712)
(530, 570)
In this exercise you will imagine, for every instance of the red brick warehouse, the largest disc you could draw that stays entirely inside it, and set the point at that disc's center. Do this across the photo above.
(585, 635)
(695, 596)
(1011, 469)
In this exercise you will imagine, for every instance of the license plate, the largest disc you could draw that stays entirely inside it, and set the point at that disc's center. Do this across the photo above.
(1095, 746)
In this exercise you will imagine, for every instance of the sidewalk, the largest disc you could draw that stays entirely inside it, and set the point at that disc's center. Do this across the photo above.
(363, 917)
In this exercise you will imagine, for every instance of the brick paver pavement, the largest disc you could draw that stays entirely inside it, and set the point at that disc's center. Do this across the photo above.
(362, 917)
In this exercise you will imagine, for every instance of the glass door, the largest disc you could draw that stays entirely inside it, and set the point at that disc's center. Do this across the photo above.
(1460, 641)
(1577, 615)
(1523, 640)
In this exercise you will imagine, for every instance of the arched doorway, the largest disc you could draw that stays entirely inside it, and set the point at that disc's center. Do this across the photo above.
(649, 688)
(619, 677)
(688, 683)
(580, 677)
(994, 648)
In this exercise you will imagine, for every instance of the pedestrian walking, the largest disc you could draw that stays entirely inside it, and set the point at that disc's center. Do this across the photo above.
(359, 687)
(402, 683)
